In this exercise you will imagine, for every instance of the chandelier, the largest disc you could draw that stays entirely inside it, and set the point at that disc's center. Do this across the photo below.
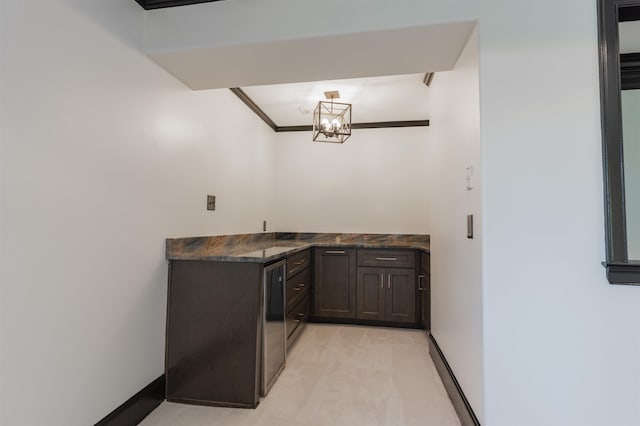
(332, 120)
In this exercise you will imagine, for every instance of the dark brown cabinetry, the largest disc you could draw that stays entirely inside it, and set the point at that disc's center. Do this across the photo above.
(296, 318)
(298, 262)
(424, 287)
(214, 327)
(387, 258)
(334, 294)
(370, 289)
(218, 312)
(386, 293)
(401, 295)
(297, 294)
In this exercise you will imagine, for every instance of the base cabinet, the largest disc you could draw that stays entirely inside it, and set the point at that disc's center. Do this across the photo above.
(386, 294)
(424, 287)
(366, 284)
(214, 329)
(298, 286)
(334, 286)
(216, 313)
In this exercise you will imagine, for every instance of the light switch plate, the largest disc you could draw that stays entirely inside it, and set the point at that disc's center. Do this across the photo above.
(211, 202)
(469, 178)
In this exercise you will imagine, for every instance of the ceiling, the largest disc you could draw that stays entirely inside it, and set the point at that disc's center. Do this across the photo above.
(379, 72)
(374, 99)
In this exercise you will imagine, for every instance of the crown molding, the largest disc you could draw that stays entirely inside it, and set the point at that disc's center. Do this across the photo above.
(307, 128)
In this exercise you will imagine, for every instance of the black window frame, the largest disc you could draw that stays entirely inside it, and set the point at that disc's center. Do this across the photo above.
(620, 269)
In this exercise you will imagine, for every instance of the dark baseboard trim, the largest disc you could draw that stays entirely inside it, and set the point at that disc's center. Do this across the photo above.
(159, 4)
(351, 321)
(208, 403)
(136, 408)
(460, 403)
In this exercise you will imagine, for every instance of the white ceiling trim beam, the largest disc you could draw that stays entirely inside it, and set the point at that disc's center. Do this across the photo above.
(367, 54)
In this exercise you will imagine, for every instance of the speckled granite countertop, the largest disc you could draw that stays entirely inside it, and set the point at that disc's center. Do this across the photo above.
(267, 247)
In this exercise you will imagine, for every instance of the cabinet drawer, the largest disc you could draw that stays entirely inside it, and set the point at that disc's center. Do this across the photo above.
(297, 262)
(298, 315)
(298, 288)
(387, 258)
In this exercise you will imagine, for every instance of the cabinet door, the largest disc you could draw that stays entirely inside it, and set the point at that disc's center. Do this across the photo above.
(335, 283)
(401, 295)
(370, 293)
(424, 285)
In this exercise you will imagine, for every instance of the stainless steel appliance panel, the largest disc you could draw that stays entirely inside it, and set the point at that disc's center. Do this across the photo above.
(274, 339)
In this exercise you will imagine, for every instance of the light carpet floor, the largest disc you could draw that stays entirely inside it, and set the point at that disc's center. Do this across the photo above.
(339, 375)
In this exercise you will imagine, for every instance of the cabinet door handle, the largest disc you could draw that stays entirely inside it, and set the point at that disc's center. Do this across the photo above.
(381, 280)
(392, 259)
(420, 277)
(296, 289)
(301, 285)
(389, 284)
(299, 262)
(334, 251)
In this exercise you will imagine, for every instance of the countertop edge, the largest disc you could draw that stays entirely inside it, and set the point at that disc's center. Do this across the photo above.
(269, 259)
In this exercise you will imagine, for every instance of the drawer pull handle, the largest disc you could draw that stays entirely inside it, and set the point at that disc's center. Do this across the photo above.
(299, 262)
(297, 321)
(334, 251)
(301, 314)
(296, 289)
(301, 285)
(387, 258)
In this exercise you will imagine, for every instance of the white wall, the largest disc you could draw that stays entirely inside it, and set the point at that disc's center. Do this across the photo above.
(630, 102)
(373, 183)
(103, 156)
(456, 261)
(562, 346)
